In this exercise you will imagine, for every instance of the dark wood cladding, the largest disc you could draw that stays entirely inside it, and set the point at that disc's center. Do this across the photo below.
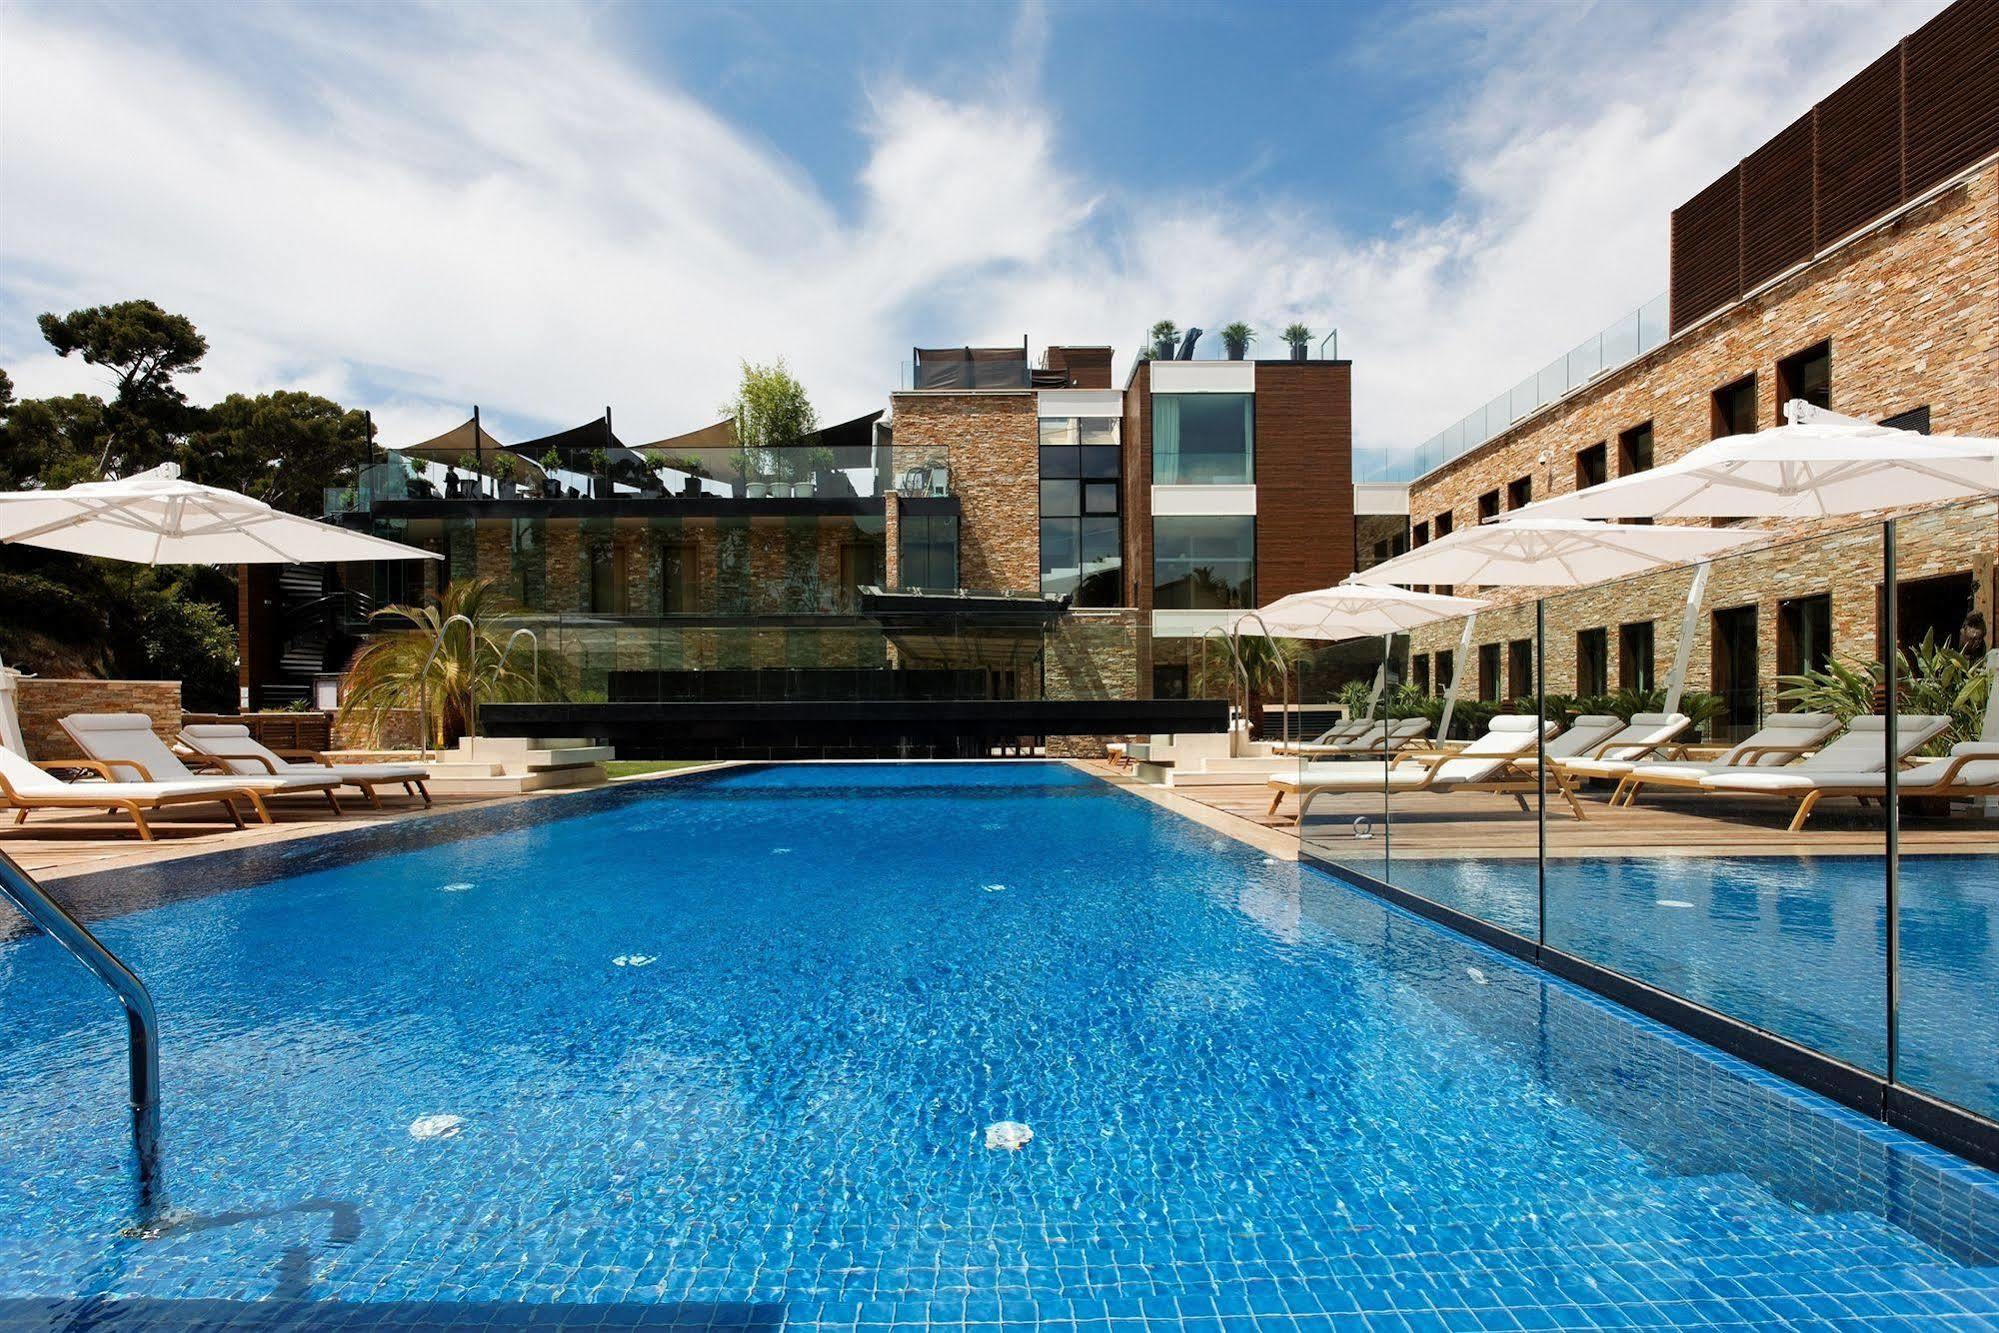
(1859, 160)
(1951, 92)
(1138, 497)
(1707, 257)
(1777, 204)
(1304, 476)
(1908, 122)
(1086, 367)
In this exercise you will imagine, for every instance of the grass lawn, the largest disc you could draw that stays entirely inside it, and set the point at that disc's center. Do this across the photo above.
(632, 768)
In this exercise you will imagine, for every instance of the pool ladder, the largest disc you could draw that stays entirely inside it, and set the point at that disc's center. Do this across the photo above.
(142, 1027)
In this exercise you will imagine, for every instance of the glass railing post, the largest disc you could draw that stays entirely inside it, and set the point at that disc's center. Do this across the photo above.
(1892, 654)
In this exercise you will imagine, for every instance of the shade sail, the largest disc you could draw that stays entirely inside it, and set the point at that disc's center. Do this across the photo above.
(1527, 551)
(1352, 611)
(156, 518)
(1819, 464)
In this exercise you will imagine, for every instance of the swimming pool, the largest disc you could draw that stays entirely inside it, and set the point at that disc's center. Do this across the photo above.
(1795, 945)
(729, 1054)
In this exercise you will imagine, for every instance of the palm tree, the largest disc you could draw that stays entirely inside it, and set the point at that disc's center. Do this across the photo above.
(396, 670)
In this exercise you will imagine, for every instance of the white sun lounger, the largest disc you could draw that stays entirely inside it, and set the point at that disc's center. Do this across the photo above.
(1616, 754)
(125, 743)
(1338, 734)
(232, 745)
(26, 785)
(1854, 765)
(1369, 738)
(1781, 739)
(1493, 762)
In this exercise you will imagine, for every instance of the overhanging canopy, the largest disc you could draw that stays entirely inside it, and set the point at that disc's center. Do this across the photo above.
(463, 442)
(1530, 551)
(1352, 611)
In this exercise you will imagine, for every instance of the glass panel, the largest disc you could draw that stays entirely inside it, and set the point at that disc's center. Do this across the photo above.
(1057, 431)
(1205, 562)
(1061, 498)
(1462, 803)
(1060, 554)
(1102, 581)
(1061, 462)
(1099, 497)
(1672, 856)
(1947, 909)
(1100, 460)
(1097, 432)
(1337, 779)
(1202, 439)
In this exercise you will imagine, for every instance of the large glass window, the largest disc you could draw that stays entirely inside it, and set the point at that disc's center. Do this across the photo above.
(1203, 439)
(1082, 540)
(1205, 562)
(927, 550)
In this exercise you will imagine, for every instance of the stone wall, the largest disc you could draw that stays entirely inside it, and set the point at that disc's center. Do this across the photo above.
(1091, 654)
(994, 445)
(1911, 311)
(43, 701)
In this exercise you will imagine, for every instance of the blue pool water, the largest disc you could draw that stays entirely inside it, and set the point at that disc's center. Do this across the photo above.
(1792, 944)
(1257, 1097)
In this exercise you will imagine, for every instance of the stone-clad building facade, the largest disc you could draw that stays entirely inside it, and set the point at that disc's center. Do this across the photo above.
(1898, 322)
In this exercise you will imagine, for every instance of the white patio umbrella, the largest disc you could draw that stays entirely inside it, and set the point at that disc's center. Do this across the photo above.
(1526, 550)
(156, 518)
(1353, 610)
(1818, 464)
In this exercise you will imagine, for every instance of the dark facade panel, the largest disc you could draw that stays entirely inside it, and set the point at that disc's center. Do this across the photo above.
(1777, 204)
(1859, 159)
(1707, 250)
(1304, 476)
(1952, 93)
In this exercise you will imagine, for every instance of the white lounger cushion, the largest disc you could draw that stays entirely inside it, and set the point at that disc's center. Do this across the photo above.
(112, 737)
(30, 780)
(1983, 771)
(1794, 731)
(1861, 751)
(1626, 746)
(232, 742)
(1511, 735)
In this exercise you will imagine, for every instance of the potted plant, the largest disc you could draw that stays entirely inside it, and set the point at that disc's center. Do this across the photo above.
(503, 473)
(551, 463)
(600, 473)
(1165, 337)
(1300, 338)
(1235, 338)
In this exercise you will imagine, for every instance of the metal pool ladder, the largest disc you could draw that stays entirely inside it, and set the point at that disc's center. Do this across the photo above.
(20, 889)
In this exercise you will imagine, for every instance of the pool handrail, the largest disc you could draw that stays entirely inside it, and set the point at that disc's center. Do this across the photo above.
(141, 1022)
(423, 678)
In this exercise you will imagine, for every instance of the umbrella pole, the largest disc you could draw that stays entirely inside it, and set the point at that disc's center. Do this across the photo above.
(1676, 683)
(1457, 678)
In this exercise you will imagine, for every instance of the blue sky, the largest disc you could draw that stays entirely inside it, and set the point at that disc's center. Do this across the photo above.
(547, 208)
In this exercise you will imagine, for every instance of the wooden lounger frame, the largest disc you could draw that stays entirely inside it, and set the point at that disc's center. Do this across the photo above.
(412, 787)
(1528, 779)
(78, 797)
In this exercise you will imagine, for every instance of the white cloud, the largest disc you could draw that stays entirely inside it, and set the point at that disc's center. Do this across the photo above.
(517, 215)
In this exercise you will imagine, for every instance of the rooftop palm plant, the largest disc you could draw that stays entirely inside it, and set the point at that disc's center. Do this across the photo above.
(1235, 338)
(1165, 336)
(395, 670)
(1300, 338)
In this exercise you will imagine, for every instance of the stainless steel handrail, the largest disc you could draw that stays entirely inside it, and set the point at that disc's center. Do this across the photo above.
(141, 1024)
(423, 679)
(534, 641)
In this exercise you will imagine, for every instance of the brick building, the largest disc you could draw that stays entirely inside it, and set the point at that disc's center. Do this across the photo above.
(1852, 262)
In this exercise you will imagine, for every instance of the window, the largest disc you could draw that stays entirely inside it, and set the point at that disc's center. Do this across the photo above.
(1804, 634)
(1592, 466)
(607, 578)
(1082, 538)
(1419, 535)
(1203, 439)
(1916, 419)
(1169, 680)
(1446, 668)
(679, 569)
(1205, 562)
(927, 551)
(1734, 671)
(1419, 671)
(1735, 409)
(1488, 506)
(860, 567)
(1806, 375)
(1519, 492)
(1592, 661)
(1634, 656)
(1488, 672)
(1520, 669)
(1634, 450)
(1442, 527)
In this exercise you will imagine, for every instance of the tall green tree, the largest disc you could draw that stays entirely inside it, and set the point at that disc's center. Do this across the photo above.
(770, 409)
(284, 448)
(146, 348)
